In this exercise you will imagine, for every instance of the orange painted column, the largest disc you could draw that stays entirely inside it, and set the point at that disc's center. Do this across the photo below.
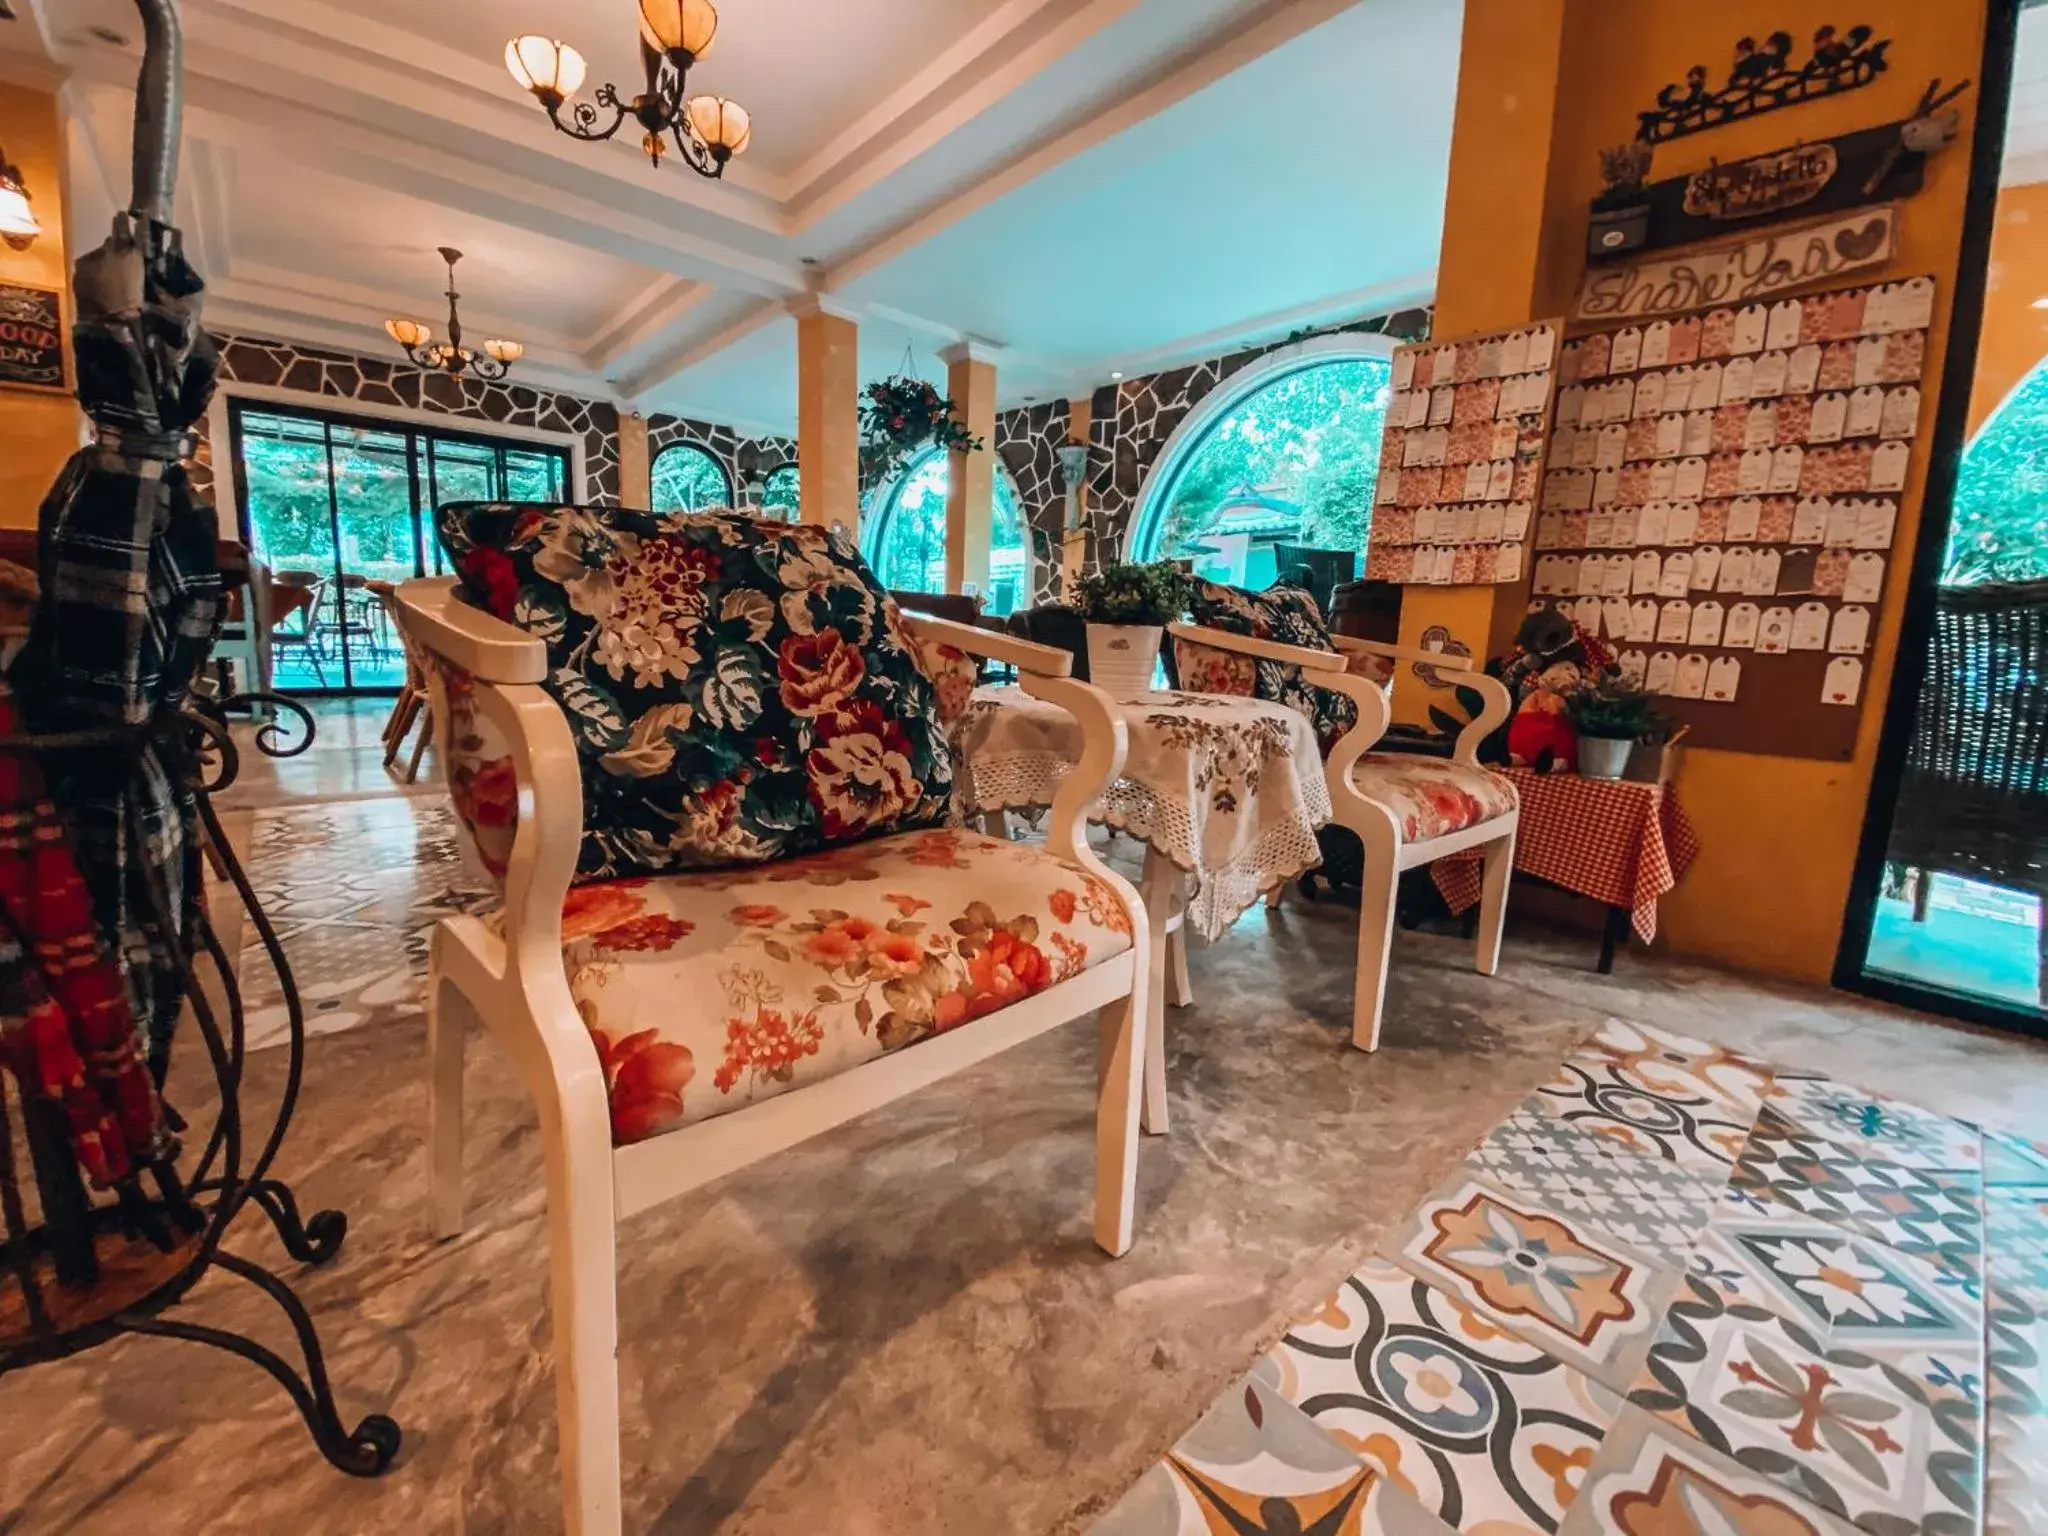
(1544, 86)
(39, 429)
(828, 412)
(971, 485)
(636, 476)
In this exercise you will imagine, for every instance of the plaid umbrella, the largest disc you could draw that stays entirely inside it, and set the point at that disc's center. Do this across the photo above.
(99, 861)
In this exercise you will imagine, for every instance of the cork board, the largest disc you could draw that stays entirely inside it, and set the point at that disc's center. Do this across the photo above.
(1461, 458)
(1720, 501)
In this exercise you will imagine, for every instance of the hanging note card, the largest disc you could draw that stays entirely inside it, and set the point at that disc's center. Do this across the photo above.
(1763, 573)
(1741, 626)
(1626, 352)
(1849, 634)
(1802, 370)
(1642, 621)
(1706, 387)
(1677, 577)
(1901, 414)
(1662, 673)
(1656, 345)
(1754, 475)
(1888, 466)
(1875, 519)
(1843, 683)
(1681, 523)
(1810, 627)
(1691, 682)
(1724, 680)
(1698, 440)
(1752, 325)
(1664, 479)
(1869, 366)
(1618, 573)
(1865, 581)
(1774, 632)
(1738, 380)
(1866, 412)
(1634, 667)
(1830, 418)
(1810, 520)
(1614, 618)
(1786, 465)
(1760, 425)
(1706, 567)
(1674, 623)
(1772, 371)
(1690, 481)
(1649, 396)
(1783, 328)
(1707, 619)
(1648, 572)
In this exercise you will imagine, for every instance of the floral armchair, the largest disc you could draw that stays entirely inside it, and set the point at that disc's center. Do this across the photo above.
(1407, 811)
(707, 759)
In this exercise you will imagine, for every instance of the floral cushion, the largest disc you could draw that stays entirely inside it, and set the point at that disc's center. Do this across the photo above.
(1432, 796)
(1286, 614)
(482, 782)
(739, 690)
(709, 991)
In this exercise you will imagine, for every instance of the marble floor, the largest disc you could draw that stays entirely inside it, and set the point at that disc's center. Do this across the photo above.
(901, 1326)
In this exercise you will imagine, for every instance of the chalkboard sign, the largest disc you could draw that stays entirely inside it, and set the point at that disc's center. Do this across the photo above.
(32, 337)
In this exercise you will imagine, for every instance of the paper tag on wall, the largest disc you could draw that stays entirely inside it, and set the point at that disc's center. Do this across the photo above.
(1774, 632)
(1843, 683)
(1706, 567)
(1849, 634)
(1662, 672)
(1741, 626)
(1810, 627)
(1707, 620)
(1724, 680)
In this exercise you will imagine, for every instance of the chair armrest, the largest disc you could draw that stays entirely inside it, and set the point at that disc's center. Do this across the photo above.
(1264, 650)
(1355, 647)
(1498, 706)
(484, 646)
(1024, 655)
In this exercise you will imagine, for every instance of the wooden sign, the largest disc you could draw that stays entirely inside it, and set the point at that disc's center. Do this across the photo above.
(1761, 267)
(32, 337)
(1761, 184)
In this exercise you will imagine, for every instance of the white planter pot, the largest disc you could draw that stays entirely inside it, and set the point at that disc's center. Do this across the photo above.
(1604, 757)
(1123, 657)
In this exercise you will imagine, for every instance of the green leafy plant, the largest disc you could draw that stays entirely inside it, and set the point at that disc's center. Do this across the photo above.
(1133, 594)
(900, 417)
(1613, 710)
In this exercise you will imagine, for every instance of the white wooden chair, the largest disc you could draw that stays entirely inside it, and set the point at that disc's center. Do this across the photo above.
(511, 973)
(1408, 810)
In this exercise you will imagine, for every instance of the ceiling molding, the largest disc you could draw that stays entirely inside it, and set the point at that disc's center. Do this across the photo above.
(645, 321)
(805, 305)
(638, 389)
(972, 349)
(1278, 22)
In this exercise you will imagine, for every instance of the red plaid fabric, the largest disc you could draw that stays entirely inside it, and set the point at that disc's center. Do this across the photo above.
(1622, 844)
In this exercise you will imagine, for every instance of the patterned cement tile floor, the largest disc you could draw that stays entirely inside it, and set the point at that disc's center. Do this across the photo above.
(1676, 1293)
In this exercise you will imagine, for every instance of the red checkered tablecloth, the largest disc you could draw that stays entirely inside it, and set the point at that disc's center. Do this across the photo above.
(1620, 843)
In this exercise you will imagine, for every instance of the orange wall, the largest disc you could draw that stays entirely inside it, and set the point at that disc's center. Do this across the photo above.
(2015, 333)
(38, 431)
(1779, 834)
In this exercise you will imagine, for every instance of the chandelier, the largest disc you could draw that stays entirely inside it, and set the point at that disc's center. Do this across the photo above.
(674, 34)
(18, 224)
(451, 356)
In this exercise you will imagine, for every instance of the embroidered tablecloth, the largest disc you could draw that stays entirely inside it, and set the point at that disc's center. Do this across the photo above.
(1623, 844)
(1230, 790)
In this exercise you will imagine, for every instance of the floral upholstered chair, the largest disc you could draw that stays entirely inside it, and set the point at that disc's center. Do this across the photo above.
(1407, 810)
(708, 760)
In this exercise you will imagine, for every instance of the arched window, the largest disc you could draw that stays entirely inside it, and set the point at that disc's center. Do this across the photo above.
(1285, 453)
(905, 534)
(2000, 531)
(687, 479)
(779, 496)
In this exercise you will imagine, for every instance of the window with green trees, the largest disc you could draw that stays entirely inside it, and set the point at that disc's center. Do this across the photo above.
(904, 530)
(687, 479)
(2000, 528)
(1293, 462)
(779, 494)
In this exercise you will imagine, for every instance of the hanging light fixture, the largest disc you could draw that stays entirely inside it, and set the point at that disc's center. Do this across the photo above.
(451, 356)
(674, 34)
(18, 224)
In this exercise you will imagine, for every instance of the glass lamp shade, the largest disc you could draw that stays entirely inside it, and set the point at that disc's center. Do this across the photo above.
(507, 352)
(722, 123)
(543, 66)
(685, 26)
(408, 333)
(17, 219)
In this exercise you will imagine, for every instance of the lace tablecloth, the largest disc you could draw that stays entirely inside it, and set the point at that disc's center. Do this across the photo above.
(1229, 790)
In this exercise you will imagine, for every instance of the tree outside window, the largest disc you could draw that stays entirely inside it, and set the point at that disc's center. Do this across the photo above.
(906, 535)
(687, 479)
(780, 494)
(2000, 528)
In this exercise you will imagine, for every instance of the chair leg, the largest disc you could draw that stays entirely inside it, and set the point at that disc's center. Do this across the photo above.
(1161, 890)
(1119, 1093)
(1273, 898)
(397, 721)
(1379, 880)
(1180, 993)
(412, 769)
(583, 1296)
(1493, 902)
(448, 1017)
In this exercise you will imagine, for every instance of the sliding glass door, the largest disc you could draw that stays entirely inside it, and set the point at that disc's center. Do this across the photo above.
(330, 503)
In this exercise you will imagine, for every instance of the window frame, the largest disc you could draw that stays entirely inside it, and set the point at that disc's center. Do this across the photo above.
(886, 502)
(689, 445)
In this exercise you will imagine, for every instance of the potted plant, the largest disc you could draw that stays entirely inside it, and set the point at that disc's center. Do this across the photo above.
(1128, 608)
(1610, 716)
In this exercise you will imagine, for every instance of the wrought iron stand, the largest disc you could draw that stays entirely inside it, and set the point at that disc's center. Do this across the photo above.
(86, 1270)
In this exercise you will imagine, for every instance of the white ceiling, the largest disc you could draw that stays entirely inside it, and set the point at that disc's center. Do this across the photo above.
(1090, 185)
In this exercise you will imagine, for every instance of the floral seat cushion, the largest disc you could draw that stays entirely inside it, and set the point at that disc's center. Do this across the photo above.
(1285, 614)
(739, 690)
(709, 991)
(1431, 796)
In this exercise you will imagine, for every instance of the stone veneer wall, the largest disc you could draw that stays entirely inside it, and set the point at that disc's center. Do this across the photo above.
(1131, 421)
(339, 378)
(1028, 441)
(744, 459)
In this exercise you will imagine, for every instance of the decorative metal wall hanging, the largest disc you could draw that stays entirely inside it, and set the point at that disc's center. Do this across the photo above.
(1758, 268)
(1833, 175)
(1762, 79)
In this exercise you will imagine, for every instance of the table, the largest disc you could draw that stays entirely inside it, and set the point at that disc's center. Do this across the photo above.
(1226, 794)
(1621, 843)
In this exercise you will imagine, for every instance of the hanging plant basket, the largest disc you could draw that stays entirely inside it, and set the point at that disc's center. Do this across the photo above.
(901, 417)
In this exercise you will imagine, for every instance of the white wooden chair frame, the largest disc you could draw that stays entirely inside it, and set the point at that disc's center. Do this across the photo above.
(517, 985)
(1378, 829)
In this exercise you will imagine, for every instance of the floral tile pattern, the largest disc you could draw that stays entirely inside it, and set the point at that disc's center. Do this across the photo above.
(1478, 1426)
(1679, 1293)
(1590, 1301)
(355, 933)
(1651, 1480)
